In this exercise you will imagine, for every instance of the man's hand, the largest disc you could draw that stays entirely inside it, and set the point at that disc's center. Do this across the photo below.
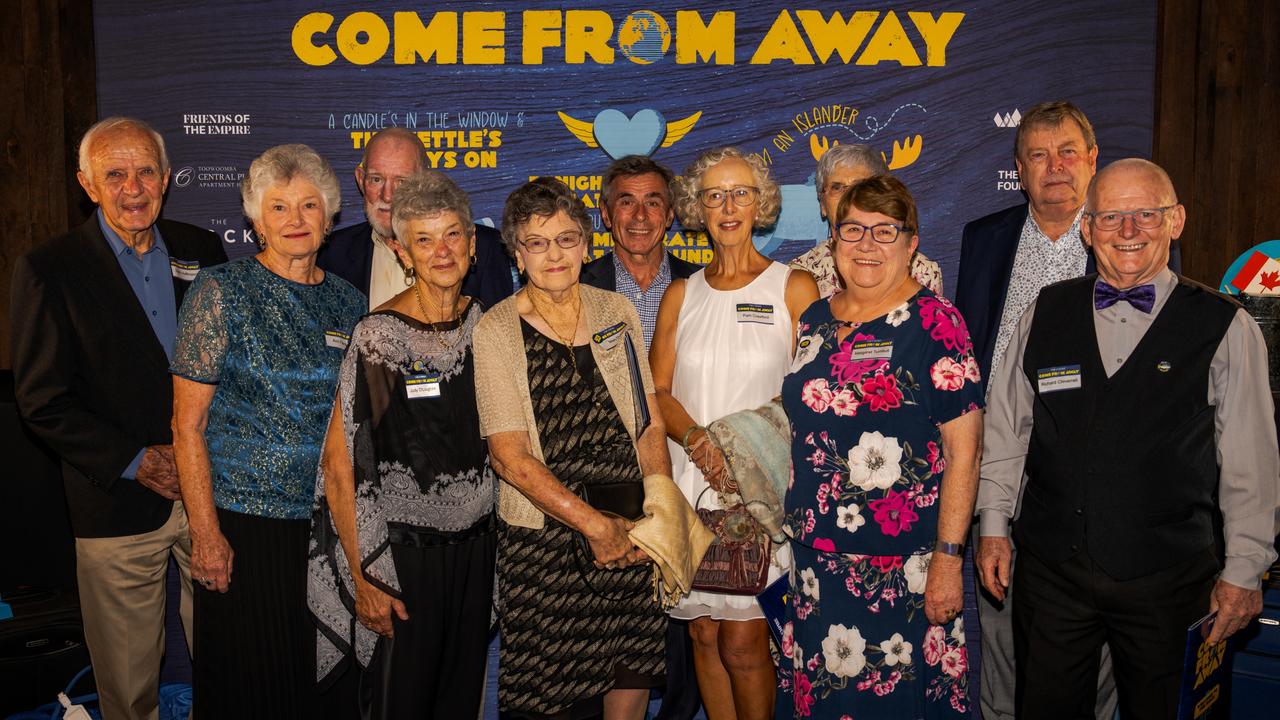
(1236, 607)
(159, 473)
(995, 556)
(944, 589)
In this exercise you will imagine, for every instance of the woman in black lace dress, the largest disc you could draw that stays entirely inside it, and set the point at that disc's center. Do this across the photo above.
(406, 485)
(566, 402)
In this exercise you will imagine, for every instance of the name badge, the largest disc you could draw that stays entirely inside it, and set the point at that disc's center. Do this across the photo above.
(871, 350)
(184, 269)
(609, 337)
(1062, 377)
(335, 339)
(755, 313)
(426, 385)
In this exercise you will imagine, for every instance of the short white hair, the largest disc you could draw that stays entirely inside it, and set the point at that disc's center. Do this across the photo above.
(282, 163)
(119, 123)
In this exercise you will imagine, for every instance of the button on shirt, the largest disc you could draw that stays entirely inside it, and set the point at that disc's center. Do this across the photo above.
(1038, 261)
(1249, 476)
(646, 301)
(151, 279)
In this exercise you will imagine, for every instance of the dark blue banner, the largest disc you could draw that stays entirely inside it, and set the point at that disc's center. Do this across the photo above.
(501, 91)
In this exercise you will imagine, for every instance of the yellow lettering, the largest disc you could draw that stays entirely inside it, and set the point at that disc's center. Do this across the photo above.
(587, 32)
(696, 41)
(890, 43)
(439, 38)
(377, 38)
(304, 33)
(836, 35)
(483, 41)
(541, 31)
(937, 34)
(782, 42)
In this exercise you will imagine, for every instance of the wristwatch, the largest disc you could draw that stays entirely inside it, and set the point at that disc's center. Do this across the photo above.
(952, 549)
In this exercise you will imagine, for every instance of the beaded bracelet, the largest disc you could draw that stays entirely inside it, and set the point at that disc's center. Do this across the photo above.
(684, 441)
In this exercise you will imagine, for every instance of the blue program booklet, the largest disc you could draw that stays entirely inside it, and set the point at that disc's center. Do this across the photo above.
(773, 602)
(1204, 671)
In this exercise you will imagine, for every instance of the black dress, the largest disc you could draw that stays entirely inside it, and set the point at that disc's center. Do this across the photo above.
(564, 645)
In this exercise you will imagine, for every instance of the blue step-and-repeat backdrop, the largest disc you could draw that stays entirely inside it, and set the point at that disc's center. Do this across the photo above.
(502, 91)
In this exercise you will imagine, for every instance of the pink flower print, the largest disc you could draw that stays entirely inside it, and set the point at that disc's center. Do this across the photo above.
(851, 585)
(955, 662)
(971, 371)
(816, 395)
(947, 374)
(886, 563)
(935, 644)
(889, 595)
(944, 323)
(937, 463)
(821, 497)
(881, 393)
(803, 695)
(894, 512)
(788, 640)
(927, 499)
(957, 702)
(845, 369)
(809, 522)
(835, 486)
(870, 681)
(844, 403)
(883, 689)
(814, 662)
(824, 544)
(819, 457)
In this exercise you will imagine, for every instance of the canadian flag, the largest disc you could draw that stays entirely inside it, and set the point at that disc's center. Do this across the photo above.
(1260, 275)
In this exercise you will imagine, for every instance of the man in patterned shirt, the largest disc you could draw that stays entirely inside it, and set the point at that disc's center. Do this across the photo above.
(840, 168)
(635, 205)
(1005, 259)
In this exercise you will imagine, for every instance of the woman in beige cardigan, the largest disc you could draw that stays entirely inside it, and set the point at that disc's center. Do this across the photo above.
(555, 372)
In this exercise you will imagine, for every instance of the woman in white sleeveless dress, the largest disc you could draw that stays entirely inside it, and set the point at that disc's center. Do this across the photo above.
(723, 342)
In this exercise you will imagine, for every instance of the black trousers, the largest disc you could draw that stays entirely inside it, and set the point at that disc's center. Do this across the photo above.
(1064, 614)
(434, 666)
(254, 647)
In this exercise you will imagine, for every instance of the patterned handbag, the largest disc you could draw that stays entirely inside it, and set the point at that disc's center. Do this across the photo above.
(737, 563)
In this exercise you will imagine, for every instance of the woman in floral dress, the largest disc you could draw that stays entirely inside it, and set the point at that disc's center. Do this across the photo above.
(883, 398)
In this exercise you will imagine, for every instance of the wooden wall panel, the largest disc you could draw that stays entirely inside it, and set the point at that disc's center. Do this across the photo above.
(47, 80)
(1216, 132)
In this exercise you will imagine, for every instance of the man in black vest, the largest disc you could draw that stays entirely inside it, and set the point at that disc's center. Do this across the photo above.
(1137, 403)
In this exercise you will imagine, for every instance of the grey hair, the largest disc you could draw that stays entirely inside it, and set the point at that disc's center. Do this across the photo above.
(853, 155)
(1163, 181)
(281, 164)
(119, 123)
(689, 206)
(427, 193)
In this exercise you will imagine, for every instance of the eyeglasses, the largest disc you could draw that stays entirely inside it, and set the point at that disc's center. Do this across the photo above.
(537, 244)
(883, 233)
(1145, 218)
(836, 188)
(743, 196)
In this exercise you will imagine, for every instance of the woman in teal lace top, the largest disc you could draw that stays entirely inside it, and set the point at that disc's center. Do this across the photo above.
(255, 369)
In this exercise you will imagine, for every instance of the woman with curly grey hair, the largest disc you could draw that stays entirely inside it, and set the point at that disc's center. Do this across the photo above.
(723, 343)
(405, 533)
(254, 370)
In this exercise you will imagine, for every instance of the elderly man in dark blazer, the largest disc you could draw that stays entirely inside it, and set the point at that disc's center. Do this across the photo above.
(94, 320)
(635, 205)
(362, 255)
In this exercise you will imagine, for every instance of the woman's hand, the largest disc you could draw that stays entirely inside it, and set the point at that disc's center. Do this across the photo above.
(374, 608)
(944, 589)
(710, 460)
(211, 559)
(609, 542)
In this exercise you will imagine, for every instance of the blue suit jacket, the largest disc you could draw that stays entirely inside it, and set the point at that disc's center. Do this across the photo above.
(349, 255)
(987, 248)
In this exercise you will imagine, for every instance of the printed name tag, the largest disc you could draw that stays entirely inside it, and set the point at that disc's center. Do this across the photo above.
(609, 337)
(871, 350)
(755, 313)
(184, 269)
(1062, 377)
(335, 339)
(426, 385)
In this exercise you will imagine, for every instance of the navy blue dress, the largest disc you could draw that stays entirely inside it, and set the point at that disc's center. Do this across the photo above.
(862, 510)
